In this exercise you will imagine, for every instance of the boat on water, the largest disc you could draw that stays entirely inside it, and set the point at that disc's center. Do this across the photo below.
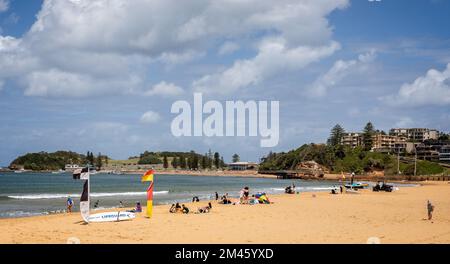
(58, 172)
(357, 185)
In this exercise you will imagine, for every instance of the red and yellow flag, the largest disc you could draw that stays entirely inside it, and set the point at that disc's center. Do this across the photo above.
(148, 177)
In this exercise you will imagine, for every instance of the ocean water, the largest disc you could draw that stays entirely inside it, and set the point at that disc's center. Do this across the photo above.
(29, 194)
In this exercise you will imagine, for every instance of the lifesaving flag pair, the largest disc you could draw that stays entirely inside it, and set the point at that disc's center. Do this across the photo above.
(148, 177)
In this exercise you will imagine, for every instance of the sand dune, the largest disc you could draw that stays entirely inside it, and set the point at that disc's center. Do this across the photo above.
(352, 218)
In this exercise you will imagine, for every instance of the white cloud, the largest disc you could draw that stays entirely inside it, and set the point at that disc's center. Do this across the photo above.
(274, 57)
(4, 5)
(150, 117)
(431, 89)
(165, 89)
(94, 44)
(404, 122)
(228, 48)
(339, 71)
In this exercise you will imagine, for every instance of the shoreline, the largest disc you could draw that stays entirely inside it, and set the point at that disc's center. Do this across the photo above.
(316, 217)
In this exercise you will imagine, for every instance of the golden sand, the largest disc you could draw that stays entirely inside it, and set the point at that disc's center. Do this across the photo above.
(397, 217)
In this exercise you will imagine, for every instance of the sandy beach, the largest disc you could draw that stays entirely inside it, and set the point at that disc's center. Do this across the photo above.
(397, 217)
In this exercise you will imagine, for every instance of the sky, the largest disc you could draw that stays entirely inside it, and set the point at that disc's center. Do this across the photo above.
(102, 75)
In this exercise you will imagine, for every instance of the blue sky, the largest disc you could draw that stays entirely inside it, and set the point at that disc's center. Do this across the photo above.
(102, 75)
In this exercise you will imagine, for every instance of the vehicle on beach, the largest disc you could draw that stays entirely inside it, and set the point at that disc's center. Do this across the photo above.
(383, 187)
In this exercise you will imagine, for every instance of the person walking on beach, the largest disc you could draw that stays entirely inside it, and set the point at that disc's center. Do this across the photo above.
(69, 204)
(430, 209)
(353, 177)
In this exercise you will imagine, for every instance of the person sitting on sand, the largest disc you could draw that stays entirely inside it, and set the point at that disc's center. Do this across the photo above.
(243, 195)
(69, 204)
(178, 208)
(138, 208)
(172, 209)
(225, 200)
(185, 210)
(263, 199)
(204, 210)
(334, 190)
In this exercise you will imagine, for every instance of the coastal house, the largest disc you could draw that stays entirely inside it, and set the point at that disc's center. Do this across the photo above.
(242, 165)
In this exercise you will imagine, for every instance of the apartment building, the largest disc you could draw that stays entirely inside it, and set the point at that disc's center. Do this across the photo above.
(385, 143)
(444, 154)
(352, 139)
(415, 134)
(380, 142)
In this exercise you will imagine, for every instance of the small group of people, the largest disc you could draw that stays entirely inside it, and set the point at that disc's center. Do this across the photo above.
(225, 199)
(176, 208)
(290, 189)
(334, 190)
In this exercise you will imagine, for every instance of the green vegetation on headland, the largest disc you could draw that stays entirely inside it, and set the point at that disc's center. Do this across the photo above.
(183, 160)
(335, 157)
(44, 161)
(340, 158)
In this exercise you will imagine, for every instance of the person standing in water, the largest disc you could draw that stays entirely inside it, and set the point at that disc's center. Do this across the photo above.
(217, 196)
(69, 204)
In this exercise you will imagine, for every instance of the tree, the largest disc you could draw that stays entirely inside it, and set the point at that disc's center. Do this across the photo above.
(195, 162)
(368, 132)
(175, 162)
(182, 162)
(216, 160)
(444, 137)
(204, 162)
(337, 132)
(236, 158)
(222, 163)
(210, 159)
(165, 162)
(99, 161)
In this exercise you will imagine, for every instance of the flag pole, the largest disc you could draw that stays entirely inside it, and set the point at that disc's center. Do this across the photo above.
(89, 190)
